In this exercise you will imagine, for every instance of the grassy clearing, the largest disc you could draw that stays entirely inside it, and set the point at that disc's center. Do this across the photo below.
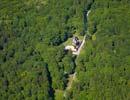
(69, 41)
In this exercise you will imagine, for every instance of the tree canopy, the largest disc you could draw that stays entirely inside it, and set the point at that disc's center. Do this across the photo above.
(34, 65)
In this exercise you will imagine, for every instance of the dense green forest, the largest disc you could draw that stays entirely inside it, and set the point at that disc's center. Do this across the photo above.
(34, 65)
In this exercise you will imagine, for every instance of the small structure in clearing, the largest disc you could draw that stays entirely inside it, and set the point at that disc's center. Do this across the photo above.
(75, 44)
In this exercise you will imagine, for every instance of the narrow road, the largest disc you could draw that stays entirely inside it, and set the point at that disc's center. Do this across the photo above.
(78, 52)
(72, 77)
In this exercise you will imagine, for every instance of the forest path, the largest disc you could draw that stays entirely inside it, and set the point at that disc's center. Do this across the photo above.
(71, 78)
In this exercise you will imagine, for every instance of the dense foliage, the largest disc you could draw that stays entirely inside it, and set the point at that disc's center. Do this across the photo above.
(33, 63)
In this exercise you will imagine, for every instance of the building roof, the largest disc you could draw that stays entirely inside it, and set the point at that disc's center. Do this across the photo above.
(75, 40)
